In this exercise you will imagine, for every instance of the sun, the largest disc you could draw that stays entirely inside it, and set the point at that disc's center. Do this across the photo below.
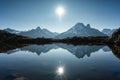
(60, 11)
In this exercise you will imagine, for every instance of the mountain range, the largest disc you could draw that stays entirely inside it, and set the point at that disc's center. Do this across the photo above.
(34, 33)
(78, 51)
(38, 32)
(108, 31)
(78, 29)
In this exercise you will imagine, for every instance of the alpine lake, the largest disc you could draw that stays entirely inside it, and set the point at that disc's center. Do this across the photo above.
(60, 62)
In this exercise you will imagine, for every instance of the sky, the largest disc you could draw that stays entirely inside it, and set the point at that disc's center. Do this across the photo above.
(28, 14)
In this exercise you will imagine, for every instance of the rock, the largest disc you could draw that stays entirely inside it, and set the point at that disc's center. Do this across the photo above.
(115, 38)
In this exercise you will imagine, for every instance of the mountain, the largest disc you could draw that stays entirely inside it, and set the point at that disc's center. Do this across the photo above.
(80, 30)
(11, 30)
(108, 31)
(38, 32)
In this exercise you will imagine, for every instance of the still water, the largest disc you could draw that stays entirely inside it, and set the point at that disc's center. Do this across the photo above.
(59, 62)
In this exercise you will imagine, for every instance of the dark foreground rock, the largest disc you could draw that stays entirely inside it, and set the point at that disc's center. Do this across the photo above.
(115, 38)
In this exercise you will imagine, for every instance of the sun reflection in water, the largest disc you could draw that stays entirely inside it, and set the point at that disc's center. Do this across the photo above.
(60, 70)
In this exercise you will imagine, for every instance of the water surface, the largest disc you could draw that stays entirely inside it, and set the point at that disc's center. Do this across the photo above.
(59, 62)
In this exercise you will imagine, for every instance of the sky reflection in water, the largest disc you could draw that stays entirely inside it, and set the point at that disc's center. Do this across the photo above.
(60, 62)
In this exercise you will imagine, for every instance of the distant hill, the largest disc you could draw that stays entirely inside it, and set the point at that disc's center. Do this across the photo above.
(11, 30)
(6, 36)
(80, 30)
(108, 31)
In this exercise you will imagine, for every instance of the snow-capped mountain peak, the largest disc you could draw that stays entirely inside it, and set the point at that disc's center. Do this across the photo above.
(88, 26)
(80, 29)
(38, 28)
(79, 25)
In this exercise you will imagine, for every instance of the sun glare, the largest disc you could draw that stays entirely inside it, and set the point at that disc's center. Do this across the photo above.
(60, 11)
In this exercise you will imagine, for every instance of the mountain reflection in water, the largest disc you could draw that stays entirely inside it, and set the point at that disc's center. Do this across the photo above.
(59, 62)
(79, 51)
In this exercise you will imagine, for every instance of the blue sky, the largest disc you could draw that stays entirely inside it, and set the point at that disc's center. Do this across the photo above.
(28, 14)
